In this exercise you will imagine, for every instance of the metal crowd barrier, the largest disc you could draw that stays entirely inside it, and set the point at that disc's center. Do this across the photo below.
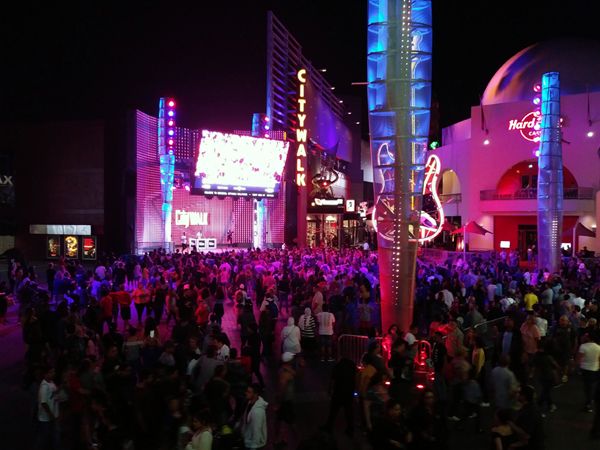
(353, 347)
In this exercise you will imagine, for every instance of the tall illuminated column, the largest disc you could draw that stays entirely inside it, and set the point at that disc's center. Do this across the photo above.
(550, 177)
(399, 93)
(166, 155)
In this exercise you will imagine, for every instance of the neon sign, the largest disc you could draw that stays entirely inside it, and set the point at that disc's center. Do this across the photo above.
(301, 132)
(530, 126)
(185, 218)
(431, 218)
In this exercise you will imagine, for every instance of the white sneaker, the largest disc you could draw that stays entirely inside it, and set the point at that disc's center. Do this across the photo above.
(453, 419)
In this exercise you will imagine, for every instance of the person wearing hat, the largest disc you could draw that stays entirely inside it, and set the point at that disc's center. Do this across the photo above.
(285, 399)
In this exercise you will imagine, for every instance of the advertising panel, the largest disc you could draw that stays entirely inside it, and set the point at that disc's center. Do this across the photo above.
(71, 246)
(239, 166)
(89, 248)
(52, 246)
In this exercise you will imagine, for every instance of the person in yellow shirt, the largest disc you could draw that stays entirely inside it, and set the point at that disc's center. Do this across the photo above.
(530, 299)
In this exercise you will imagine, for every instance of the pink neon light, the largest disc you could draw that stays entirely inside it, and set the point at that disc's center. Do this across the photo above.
(430, 227)
(170, 141)
(171, 103)
(170, 123)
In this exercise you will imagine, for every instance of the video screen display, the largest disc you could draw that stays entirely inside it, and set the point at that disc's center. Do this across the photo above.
(89, 248)
(239, 166)
(71, 246)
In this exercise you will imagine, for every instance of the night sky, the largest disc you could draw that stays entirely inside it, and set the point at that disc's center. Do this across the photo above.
(87, 61)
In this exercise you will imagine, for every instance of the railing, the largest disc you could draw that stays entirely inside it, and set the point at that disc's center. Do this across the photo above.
(353, 347)
(450, 198)
(578, 193)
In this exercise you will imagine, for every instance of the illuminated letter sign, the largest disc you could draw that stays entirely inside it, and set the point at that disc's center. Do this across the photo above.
(529, 126)
(185, 218)
(301, 132)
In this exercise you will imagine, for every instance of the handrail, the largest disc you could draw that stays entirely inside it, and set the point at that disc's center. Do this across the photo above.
(577, 193)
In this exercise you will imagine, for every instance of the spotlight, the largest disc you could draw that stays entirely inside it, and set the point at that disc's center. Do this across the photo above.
(266, 127)
(170, 141)
(171, 103)
(332, 88)
(267, 119)
(537, 153)
(357, 123)
(530, 166)
(537, 87)
(170, 123)
(590, 134)
(170, 113)
(536, 100)
(171, 132)
(486, 142)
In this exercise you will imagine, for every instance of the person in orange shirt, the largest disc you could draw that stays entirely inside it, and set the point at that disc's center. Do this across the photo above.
(123, 298)
(106, 308)
(141, 299)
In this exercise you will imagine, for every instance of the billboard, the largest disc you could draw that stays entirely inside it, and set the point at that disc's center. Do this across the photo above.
(239, 166)
(71, 246)
(89, 248)
(52, 247)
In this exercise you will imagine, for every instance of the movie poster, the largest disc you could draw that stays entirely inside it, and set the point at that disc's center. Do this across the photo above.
(52, 246)
(89, 248)
(71, 246)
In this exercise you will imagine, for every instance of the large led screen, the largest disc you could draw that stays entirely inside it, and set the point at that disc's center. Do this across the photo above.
(235, 165)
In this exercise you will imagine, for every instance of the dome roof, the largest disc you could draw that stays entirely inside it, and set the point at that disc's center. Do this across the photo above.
(577, 61)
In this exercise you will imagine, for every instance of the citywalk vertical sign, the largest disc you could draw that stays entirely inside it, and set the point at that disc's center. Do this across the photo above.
(301, 160)
(301, 133)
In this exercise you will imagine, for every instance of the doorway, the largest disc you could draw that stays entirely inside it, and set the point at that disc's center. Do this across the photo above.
(527, 239)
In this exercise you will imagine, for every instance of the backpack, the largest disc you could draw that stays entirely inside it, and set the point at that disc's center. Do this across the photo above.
(272, 308)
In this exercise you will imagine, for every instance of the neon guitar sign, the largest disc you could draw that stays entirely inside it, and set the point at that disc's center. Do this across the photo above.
(432, 214)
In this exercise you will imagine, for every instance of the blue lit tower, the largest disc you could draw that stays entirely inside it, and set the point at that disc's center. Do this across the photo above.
(166, 155)
(550, 177)
(399, 94)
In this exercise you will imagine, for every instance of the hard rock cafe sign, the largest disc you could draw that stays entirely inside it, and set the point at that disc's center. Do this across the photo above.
(530, 126)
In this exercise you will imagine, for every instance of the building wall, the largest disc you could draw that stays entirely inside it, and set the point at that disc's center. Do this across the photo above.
(480, 167)
(59, 178)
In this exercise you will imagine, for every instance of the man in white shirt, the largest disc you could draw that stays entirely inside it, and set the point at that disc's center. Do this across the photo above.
(222, 349)
(317, 300)
(326, 321)
(48, 433)
(588, 359)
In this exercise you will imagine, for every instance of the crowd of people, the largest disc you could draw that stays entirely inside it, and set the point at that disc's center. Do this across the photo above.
(202, 351)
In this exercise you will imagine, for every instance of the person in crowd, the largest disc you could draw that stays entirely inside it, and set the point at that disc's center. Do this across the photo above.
(505, 434)
(504, 384)
(588, 360)
(529, 419)
(290, 338)
(254, 419)
(390, 431)
(326, 322)
(308, 330)
(285, 398)
(342, 387)
(427, 424)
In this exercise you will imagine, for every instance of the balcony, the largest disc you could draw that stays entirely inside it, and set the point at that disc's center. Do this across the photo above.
(578, 193)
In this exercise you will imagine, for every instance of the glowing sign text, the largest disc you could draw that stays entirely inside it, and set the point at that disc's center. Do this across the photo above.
(529, 126)
(301, 132)
(185, 218)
